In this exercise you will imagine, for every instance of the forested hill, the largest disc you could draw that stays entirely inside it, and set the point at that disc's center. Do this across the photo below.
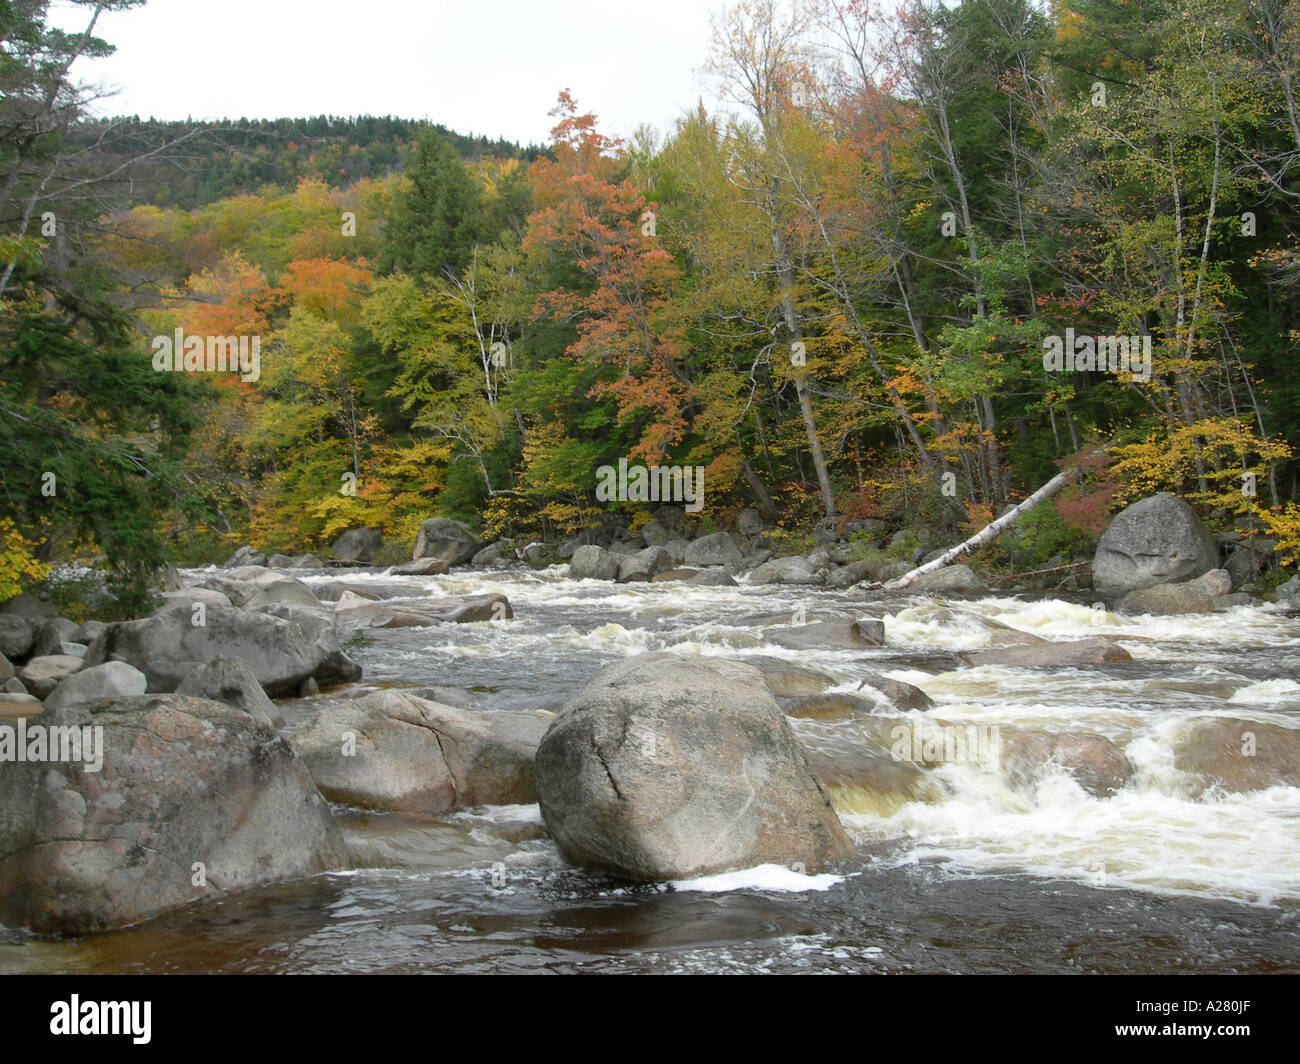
(242, 156)
(928, 259)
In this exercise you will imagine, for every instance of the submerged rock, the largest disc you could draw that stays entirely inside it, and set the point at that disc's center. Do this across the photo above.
(785, 679)
(834, 635)
(1095, 763)
(1237, 755)
(1095, 651)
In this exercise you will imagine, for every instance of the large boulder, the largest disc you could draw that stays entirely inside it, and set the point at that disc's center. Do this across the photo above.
(717, 549)
(283, 646)
(1157, 540)
(1095, 651)
(593, 563)
(230, 681)
(113, 679)
(665, 767)
(449, 541)
(396, 752)
(193, 800)
(644, 565)
(358, 545)
(1237, 755)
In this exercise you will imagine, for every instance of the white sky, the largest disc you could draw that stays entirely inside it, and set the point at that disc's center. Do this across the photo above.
(489, 67)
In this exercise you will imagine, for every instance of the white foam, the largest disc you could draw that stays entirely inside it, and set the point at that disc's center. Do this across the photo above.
(769, 877)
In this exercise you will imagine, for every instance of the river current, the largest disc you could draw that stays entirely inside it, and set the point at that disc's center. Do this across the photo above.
(980, 879)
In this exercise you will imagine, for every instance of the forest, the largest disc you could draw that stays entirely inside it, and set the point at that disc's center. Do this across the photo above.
(843, 293)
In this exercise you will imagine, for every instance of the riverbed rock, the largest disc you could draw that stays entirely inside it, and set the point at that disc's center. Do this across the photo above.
(424, 567)
(282, 644)
(795, 570)
(1167, 600)
(49, 633)
(187, 596)
(410, 755)
(785, 679)
(644, 564)
(829, 635)
(852, 573)
(1216, 583)
(665, 767)
(950, 580)
(1237, 756)
(900, 694)
(450, 541)
(1157, 540)
(452, 609)
(16, 635)
(1094, 762)
(88, 631)
(236, 591)
(593, 563)
(867, 781)
(712, 578)
(831, 705)
(42, 675)
(230, 681)
(655, 535)
(184, 782)
(1095, 651)
(6, 669)
(243, 557)
(716, 549)
(490, 557)
(285, 591)
(358, 545)
(113, 679)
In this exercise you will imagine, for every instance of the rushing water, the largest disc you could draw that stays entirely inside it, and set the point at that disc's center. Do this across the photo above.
(979, 878)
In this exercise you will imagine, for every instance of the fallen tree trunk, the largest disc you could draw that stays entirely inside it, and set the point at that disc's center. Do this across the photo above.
(986, 534)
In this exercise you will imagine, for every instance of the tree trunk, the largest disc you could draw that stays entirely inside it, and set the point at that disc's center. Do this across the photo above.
(988, 533)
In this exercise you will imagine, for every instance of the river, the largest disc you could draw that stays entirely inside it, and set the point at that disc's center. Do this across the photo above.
(983, 879)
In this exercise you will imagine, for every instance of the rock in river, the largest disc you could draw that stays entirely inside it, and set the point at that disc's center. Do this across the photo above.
(665, 767)
(188, 792)
(396, 752)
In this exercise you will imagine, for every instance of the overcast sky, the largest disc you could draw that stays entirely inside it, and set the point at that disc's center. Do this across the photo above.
(477, 66)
